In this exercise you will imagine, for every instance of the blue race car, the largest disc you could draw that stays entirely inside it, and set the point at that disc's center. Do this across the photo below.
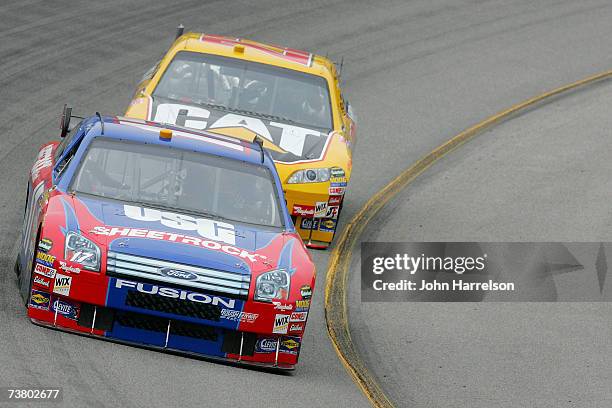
(164, 237)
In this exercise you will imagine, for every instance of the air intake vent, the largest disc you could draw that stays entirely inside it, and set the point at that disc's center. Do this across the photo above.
(173, 306)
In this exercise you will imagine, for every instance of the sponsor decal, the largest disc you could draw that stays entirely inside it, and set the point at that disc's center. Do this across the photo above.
(42, 281)
(266, 346)
(67, 268)
(281, 324)
(294, 327)
(337, 172)
(66, 309)
(175, 293)
(238, 316)
(282, 306)
(298, 316)
(303, 210)
(290, 345)
(40, 300)
(336, 190)
(327, 225)
(306, 291)
(288, 137)
(332, 212)
(62, 284)
(44, 271)
(338, 180)
(335, 200)
(44, 258)
(178, 274)
(43, 161)
(45, 244)
(320, 209)
(205, 227)
(309, 223)
(179, 238)
(338, 184)
(300, 305)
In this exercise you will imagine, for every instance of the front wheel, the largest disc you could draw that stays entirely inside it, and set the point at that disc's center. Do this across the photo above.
(25, 279)
(16, 268)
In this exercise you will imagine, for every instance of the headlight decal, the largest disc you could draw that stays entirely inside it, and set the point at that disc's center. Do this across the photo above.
(72, 222)
(83, 251)
(276, 284)
(320, 175)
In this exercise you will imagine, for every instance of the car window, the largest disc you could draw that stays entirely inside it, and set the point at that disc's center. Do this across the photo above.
(67, 140)
(247, 86)
(64, 144)
(179, 180)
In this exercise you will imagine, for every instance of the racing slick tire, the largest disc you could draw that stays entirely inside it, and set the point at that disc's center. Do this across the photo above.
(25, 294)
(16, 267)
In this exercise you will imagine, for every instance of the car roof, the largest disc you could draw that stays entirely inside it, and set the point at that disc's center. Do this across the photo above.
(255, 51)
(144, 131)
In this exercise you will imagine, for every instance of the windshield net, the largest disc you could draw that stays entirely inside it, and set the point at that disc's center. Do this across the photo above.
(247, 86)
(180, 180)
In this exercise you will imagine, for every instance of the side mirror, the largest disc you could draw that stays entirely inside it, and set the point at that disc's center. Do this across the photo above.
(65, 121)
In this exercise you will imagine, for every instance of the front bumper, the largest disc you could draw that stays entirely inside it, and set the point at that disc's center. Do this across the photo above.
(174, 335)
(316, 229)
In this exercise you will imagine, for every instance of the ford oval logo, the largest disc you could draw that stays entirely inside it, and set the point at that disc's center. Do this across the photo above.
(178, 274)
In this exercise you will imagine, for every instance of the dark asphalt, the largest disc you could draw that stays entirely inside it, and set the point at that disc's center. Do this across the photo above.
(416, 73)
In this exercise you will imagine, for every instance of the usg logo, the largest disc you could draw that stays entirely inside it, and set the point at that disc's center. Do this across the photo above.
(178, 274)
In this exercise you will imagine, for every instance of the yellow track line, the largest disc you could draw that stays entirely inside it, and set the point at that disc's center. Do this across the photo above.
(335, 287)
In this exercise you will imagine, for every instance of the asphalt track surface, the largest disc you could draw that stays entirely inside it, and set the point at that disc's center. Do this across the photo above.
(542, 176)
(416, 73)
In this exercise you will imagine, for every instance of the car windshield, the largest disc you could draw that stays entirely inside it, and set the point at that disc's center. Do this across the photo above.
(247, 87)
(180, 180)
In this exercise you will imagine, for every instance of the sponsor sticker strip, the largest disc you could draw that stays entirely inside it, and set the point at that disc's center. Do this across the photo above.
(281, 324)
(62, 284)
(44, 271)
(40, 300)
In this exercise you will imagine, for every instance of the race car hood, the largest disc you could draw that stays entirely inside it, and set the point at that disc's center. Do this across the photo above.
(173, 236)
(286, 142)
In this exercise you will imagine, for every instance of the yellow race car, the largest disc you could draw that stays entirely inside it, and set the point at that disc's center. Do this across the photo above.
(289, 98)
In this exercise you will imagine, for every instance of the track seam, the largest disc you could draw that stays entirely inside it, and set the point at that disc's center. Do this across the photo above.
(336, 315)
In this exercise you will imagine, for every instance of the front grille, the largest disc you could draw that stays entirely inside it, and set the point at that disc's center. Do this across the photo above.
(158, 324)
(235, 284)
(173, 306)
(193, 330)
(142, 322)
(232, 343)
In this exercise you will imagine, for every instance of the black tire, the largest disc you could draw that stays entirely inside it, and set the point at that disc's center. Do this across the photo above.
(25, 296)
(16, 267)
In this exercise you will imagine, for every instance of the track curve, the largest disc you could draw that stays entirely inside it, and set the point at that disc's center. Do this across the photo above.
(415, 72)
